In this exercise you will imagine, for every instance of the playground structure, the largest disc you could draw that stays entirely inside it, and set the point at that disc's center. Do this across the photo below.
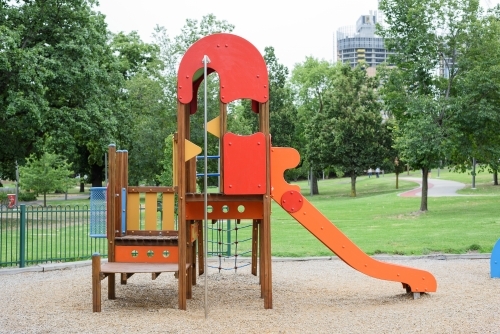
(251, 174)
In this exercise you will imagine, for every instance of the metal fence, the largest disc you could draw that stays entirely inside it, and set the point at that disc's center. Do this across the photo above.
(32, 235)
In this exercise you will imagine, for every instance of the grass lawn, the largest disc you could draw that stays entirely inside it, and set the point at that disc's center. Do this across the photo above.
(379, 221)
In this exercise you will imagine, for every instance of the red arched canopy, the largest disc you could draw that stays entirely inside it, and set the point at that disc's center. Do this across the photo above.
(241, 68)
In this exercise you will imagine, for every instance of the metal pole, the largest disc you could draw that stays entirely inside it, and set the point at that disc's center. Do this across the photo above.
(206, 60)
(17, 184)
(473, 173)
(22, 237)
(228, 238)
(105, 169)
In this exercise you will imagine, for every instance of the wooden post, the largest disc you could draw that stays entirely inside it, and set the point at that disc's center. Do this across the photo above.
(121, 182)
(255, 245)
(266, 271)
(182, 118)
(189, 256)
(201, 249)
(261, 259)
(223, 130)
(191, 188)
(96, 282)
(193, 263)
(111, 215)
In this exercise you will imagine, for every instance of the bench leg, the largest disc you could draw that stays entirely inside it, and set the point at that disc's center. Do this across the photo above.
(111, 286)
(96, 282)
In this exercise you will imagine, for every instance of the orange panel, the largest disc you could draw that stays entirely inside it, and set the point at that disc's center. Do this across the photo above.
(244, 159)
(151, 215)
(222, 210)
(133, 211)
(326, 232)
(157, 254)
(168, 214)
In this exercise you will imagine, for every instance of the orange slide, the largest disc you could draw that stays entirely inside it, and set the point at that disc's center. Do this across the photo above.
(290, 199)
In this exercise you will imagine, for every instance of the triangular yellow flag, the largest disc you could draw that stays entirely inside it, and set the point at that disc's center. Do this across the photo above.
(191, 150)
(213, 127)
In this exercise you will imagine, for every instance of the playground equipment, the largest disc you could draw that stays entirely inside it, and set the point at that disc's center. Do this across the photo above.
(251, 174)
(495, 260)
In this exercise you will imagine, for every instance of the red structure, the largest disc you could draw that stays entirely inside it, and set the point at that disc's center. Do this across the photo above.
(251, 175)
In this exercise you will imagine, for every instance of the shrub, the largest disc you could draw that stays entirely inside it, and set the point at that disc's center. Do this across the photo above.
(27, 196)
(4, 200)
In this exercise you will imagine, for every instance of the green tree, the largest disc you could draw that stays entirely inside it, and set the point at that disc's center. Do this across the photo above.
(479, 96)
(166, 178)
(428, 38)
(49, 173)
(148, 120)
(59, 83)
(311, 80)
(348, 134)
(171, 52)
(282, 110)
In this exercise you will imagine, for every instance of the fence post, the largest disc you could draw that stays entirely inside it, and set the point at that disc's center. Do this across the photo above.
(22, 236)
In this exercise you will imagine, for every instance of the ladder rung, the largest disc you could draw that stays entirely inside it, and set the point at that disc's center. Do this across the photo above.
(208, 174)
(201, 157)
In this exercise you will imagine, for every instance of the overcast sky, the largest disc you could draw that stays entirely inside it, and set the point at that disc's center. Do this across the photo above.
(295, 29)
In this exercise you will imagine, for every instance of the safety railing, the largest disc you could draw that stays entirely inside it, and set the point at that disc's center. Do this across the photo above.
(32, 235)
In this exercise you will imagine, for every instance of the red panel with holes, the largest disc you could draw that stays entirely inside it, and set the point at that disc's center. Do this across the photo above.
(225, 210)
(244, 164)
(147, 254)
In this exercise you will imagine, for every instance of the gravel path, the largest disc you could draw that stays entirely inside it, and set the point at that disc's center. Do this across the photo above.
(316, 296)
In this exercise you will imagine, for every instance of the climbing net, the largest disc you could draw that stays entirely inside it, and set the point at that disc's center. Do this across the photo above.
(231, 242)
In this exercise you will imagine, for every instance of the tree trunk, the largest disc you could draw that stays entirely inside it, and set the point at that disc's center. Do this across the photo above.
(96, 173)
(495, 178)
(425, 189)
(353, 184)
(44, 200)
(82, 187)
(397, 179)
(314, 184)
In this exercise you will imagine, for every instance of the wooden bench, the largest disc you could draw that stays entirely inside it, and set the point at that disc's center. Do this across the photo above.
(101, 271)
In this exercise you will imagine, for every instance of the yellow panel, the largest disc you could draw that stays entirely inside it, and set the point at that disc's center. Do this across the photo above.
(133, 209)
(191, 150)
(168, 211)
(174, 160)
(151, 211)
(214, 126)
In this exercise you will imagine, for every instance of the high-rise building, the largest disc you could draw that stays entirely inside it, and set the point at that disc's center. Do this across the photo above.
(360, 43)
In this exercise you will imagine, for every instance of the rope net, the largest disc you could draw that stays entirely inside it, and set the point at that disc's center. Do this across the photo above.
(231, 242)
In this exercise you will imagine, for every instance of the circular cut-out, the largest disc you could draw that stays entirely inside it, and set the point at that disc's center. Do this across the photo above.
(225, 209)
(135, 253)
(166, 253)
(241, 208)
(210, 209)
(150, 253)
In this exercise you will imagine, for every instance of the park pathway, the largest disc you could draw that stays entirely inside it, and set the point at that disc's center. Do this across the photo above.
(437, 188)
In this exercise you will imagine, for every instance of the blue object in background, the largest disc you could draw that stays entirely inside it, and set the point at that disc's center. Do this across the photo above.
(495, 261)
(98, 212)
